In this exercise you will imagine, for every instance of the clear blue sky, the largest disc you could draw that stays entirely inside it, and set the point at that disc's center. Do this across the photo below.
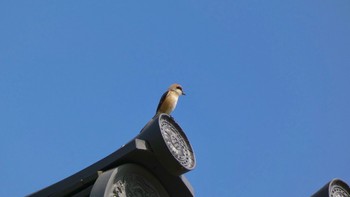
(267, 108)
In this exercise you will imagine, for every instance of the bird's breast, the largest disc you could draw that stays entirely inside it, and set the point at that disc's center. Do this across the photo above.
(169, 103)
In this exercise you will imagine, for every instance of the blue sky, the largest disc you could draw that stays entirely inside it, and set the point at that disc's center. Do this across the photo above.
(267, 107)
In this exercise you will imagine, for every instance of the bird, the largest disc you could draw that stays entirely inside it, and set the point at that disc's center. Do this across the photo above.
(169, 99)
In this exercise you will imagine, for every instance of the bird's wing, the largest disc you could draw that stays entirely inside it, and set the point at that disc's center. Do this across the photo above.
(161, 100)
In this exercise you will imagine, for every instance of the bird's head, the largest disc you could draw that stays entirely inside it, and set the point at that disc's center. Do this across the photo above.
(177, 88)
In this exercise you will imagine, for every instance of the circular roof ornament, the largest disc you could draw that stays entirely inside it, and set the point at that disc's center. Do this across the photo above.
(177, 142)
(338, 189)
(334, 188)
(128, 180)
(169, 144)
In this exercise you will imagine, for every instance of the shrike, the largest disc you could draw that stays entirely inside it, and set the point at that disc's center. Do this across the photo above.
(169, 99)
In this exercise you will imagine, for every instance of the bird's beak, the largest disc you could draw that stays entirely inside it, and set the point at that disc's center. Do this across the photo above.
(183, 93)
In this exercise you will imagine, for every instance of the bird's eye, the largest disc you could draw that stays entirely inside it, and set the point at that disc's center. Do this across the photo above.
(179, 87)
